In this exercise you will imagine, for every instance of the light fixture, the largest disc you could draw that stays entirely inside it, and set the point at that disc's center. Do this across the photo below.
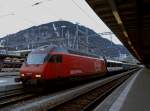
(38, 75)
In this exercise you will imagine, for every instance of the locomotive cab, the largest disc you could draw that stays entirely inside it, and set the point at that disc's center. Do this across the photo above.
(36, 64)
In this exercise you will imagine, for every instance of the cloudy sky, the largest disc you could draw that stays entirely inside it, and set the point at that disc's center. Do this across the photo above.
(16, 15)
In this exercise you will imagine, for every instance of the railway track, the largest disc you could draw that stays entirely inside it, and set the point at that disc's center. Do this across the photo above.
(15, 99)
(91, 99)
(13, 96)
(84, 97)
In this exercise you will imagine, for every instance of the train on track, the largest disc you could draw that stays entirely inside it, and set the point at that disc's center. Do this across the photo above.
(49, 63)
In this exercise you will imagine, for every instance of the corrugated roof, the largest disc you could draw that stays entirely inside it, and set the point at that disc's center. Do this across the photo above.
(130, 21)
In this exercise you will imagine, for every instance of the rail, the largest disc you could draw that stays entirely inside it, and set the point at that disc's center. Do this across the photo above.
(60, 99)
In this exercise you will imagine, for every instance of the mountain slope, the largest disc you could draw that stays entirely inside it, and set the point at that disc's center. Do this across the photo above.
(63, 33)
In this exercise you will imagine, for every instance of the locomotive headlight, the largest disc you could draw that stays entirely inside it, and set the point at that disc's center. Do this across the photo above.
(38, 75)
(22, 74)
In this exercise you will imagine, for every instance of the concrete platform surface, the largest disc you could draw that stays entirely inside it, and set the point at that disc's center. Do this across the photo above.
(2, 74)
(133, 95)
(8, 83)
(7, 80)
(138, 98)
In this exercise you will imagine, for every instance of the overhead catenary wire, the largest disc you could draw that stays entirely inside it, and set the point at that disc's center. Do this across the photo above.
(13, 13)
(38, 3)
(84, 12)
(92, 19)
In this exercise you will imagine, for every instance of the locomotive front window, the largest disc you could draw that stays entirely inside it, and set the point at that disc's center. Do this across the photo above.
(36, 58)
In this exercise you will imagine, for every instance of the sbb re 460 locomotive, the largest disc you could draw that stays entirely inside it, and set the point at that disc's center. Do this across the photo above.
(52, 62)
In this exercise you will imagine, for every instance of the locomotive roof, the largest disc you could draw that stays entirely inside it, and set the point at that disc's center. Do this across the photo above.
(48, 48)
(82, 53)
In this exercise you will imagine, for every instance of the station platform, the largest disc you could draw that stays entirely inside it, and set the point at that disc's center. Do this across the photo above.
(5, 74)
(8, 78)
(132, 95)
(7, 81)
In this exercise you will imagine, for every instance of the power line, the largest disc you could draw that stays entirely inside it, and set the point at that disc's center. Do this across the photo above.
(38, 3)
(104, 33)
(84, 12)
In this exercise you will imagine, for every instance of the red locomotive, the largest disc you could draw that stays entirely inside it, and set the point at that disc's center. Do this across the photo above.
(52, 62)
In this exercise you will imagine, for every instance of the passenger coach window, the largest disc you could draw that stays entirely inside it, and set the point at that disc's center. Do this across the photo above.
(108, 64)
(56, 58)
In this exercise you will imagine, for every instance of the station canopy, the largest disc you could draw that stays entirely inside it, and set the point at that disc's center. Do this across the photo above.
(130, 21)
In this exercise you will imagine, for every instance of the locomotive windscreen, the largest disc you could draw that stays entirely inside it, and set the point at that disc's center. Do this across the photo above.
(36, 58)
